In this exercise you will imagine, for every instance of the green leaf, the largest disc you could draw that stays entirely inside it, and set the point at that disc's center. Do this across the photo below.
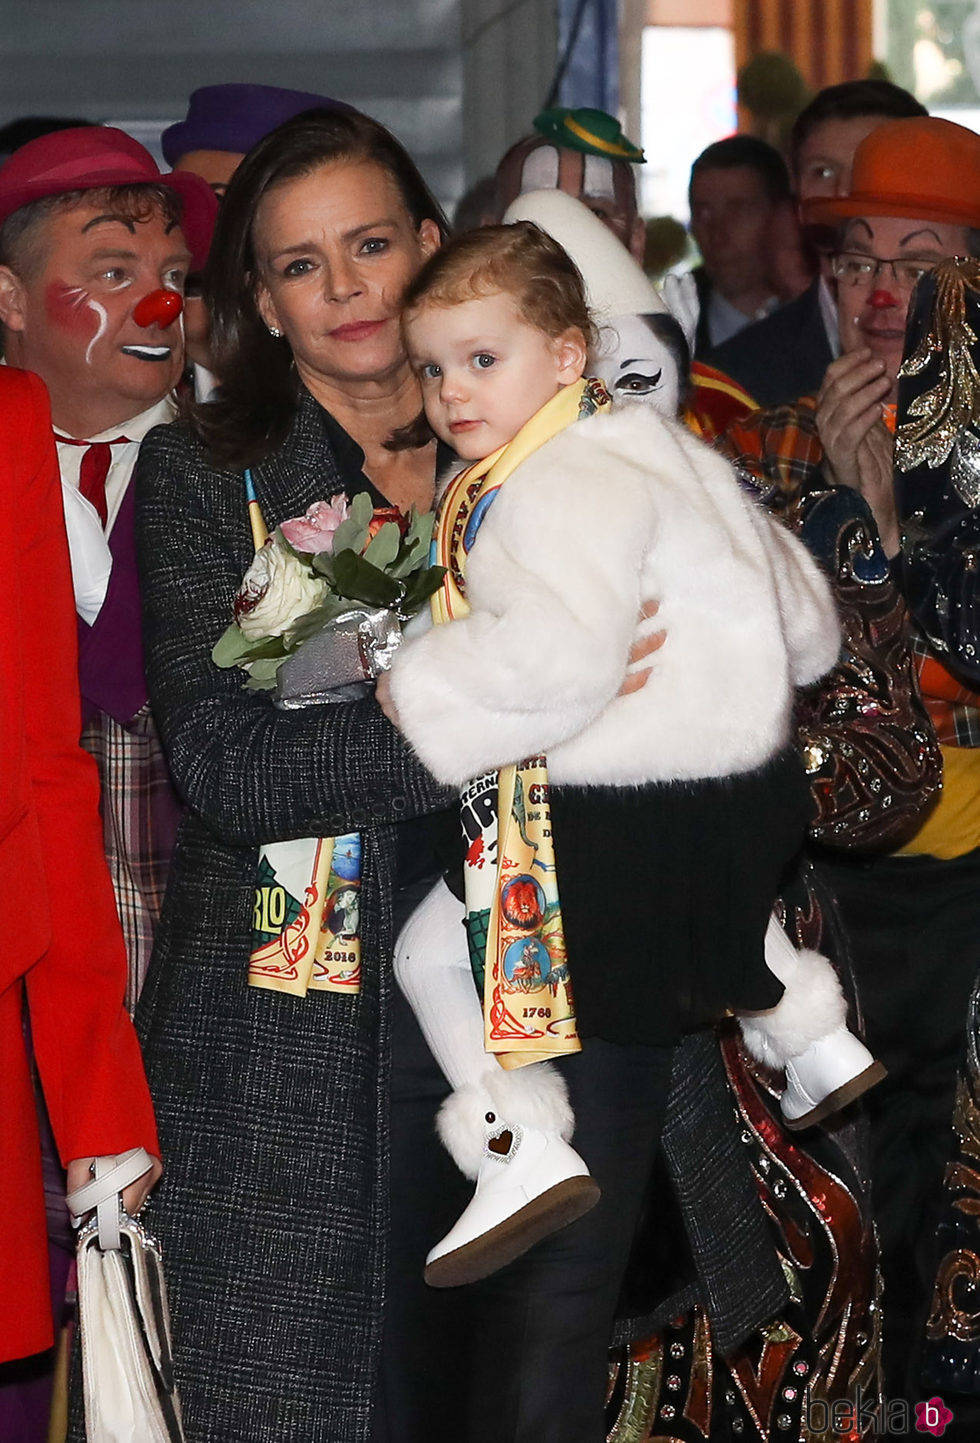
(420, 526)
(233, 649)
(410, 557)
(353, 533)
(262, 673)
(322, 565)
(383, 547)
(361, 581)
(417, 591)
(229, 649)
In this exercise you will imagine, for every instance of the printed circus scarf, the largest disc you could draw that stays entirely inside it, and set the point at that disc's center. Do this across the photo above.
(513, 913)
(306, 923)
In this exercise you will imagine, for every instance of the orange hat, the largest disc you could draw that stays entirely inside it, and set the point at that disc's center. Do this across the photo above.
(922, 168)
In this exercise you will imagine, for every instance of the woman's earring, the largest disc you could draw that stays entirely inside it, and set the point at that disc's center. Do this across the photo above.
(275, 332)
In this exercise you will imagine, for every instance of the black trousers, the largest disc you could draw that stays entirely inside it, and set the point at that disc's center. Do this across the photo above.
(914, 928)
(541, 1328)
(521, 1356)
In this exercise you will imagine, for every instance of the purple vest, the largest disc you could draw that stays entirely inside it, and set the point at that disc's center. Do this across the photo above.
(110, 652)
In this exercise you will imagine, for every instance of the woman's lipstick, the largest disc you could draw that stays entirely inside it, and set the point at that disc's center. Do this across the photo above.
(357, 330)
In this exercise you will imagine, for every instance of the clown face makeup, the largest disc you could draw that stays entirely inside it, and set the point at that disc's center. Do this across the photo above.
(637, 365)
(873, 307)
(606, 186)
(72, 321)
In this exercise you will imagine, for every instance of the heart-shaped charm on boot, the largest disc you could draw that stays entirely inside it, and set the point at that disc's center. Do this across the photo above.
(503, 1142)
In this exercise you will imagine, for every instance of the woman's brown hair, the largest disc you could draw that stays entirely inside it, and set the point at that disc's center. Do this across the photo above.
(259, 388)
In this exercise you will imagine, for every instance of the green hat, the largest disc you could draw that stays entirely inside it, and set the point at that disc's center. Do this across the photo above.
(593, 131)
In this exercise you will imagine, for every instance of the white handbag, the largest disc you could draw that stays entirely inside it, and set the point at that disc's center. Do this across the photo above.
(127, 1365)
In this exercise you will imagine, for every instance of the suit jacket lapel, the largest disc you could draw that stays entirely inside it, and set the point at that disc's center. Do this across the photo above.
(302, 470)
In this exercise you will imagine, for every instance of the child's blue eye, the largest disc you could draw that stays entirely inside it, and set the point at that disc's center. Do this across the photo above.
(430, 371)
(483, 360)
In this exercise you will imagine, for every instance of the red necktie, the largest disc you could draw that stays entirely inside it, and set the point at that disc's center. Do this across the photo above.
(94, 470)
(91, 478)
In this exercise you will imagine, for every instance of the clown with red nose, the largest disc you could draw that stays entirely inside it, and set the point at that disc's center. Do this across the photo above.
(95, 245)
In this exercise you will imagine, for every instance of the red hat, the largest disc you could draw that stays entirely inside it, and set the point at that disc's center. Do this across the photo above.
(923, 168)
(90, 157)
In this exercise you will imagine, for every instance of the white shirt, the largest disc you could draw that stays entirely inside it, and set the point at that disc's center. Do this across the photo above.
(91, 560)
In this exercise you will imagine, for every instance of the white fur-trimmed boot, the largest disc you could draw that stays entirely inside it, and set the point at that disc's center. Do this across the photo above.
(510, 1132)
(806, 1036)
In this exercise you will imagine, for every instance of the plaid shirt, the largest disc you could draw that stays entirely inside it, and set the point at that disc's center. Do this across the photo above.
(780, 447)
(139, 816)
(714, 402)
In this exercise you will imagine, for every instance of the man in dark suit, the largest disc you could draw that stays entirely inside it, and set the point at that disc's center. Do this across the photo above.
(786, 354)
(737, 186)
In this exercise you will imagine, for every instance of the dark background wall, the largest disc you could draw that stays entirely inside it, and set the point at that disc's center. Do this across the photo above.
(457, 80)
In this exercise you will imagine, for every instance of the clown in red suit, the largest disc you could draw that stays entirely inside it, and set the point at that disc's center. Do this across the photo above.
(62, 959)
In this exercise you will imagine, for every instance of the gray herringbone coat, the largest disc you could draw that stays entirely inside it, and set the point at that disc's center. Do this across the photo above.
(272, 1109)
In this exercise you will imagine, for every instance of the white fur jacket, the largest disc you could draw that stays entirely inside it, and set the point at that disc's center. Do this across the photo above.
(615, 510)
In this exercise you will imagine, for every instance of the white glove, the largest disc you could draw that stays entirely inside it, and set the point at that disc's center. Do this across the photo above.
(680, 295)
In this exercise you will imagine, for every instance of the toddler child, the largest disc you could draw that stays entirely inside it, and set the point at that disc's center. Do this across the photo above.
(676, 799)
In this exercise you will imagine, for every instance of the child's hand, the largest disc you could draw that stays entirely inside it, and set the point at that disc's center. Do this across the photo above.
(382, 695)
(643, 646)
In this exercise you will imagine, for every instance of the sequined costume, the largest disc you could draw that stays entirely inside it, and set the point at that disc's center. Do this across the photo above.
(937, 487)
(910, 904)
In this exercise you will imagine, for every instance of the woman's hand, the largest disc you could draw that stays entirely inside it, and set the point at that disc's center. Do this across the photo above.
(643, 646)
(382, 695)
(80, 1172)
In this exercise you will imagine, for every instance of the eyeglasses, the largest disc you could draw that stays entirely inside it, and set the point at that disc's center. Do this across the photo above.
(854, 269)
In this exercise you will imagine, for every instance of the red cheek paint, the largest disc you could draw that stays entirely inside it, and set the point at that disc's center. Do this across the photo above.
(160, 308)
(69, 308)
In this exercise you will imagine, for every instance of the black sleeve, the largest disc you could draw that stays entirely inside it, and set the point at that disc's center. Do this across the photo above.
(253, 773)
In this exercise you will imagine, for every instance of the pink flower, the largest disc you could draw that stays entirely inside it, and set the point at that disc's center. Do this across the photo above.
(314, 531)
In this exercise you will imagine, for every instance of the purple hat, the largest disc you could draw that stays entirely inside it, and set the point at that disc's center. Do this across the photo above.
(236, 117)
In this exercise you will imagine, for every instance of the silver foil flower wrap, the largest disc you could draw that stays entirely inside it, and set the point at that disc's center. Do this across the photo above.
(341, 662)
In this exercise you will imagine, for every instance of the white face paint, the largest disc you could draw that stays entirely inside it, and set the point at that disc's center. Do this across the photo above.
(77, 296)
(540, 169)
(598, 178)
(636, 366)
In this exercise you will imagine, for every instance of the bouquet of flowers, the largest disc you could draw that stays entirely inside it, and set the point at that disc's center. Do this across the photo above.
(319, 612)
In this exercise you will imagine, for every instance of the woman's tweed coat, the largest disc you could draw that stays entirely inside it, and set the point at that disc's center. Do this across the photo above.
(272, 1109)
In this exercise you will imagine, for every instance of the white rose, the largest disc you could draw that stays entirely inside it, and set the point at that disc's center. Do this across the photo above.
(276, 591)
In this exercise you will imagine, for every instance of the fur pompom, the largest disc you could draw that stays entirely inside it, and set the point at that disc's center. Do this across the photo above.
(534, 1096)
(812, 1006)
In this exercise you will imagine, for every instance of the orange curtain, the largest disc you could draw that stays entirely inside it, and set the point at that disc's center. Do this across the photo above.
(828, 40)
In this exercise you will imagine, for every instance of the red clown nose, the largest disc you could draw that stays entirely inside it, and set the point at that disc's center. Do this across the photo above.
(159, 308)
(880, 300)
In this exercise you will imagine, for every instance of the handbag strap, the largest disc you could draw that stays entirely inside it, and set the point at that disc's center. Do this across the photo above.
(112, 1174)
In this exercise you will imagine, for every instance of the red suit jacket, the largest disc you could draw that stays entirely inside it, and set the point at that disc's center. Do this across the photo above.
(60, 943)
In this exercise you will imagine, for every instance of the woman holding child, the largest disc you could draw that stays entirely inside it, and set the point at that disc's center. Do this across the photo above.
(273, 1107)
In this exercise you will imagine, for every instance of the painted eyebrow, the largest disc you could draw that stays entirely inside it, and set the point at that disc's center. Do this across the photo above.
(925, 230)
(110, 219)
(922, 231)
(638, 361)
